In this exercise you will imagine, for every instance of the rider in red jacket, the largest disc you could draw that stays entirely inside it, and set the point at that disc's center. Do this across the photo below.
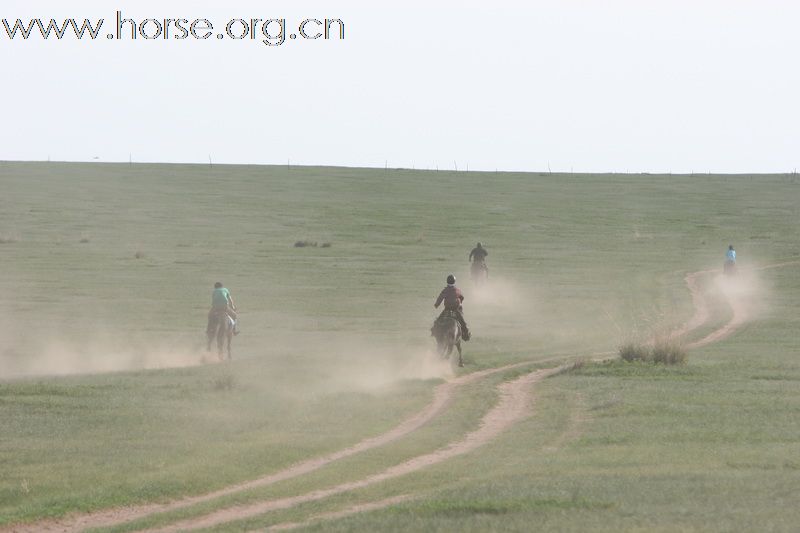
(452, 298)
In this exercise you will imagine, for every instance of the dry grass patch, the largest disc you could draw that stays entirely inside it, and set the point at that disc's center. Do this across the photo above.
(663, 351)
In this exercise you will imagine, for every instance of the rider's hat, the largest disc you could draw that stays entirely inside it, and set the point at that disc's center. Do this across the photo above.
(451, 280)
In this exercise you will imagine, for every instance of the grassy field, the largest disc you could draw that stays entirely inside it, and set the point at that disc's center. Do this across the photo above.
(106, 277)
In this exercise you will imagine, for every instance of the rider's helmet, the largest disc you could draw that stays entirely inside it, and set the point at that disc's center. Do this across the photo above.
(218, 285)
(451, 280)
(730, 247)
(480, 245)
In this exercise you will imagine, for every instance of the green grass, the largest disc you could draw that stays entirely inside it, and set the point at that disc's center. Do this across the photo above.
(111, 266)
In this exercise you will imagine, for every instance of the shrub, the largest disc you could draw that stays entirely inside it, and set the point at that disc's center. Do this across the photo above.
(663, 351)
(312, 244)
(668, 353)
(631, 351)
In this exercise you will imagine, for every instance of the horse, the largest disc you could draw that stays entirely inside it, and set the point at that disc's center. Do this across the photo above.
(220, 325)
(447, 332)
(479, 272)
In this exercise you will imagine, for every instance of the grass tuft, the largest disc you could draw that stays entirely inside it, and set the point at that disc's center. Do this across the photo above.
(631, 351)
(668, 352)
(311, 244)
(574, 366)
(664, 351)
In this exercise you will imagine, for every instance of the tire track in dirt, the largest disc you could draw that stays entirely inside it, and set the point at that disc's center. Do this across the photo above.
(356, 509)
(740, 309)
(512, 406)
(442, 396)
(577, 419)
(701, 312)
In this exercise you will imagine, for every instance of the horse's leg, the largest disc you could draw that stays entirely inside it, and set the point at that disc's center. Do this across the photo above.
(220, 339)
(230, 336)
(452, 337)
(460, 360)
(210, 329)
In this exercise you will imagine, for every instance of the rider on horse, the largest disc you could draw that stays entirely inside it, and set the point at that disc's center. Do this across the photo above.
(730, 255)
(730, 261)
(222, 307)
(479, 253)
(478, 258)
(452, 298)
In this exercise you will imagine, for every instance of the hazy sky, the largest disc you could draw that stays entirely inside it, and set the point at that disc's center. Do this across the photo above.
(673, 86)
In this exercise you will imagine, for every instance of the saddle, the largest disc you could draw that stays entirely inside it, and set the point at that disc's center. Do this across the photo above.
(442, 319)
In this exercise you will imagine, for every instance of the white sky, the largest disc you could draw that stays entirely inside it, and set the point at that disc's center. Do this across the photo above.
(625, 86)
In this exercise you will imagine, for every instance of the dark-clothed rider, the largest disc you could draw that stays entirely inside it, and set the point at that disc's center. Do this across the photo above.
(479, 254)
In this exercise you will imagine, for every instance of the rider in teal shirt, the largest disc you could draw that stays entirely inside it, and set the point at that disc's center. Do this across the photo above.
(221, 302)
(220, 297)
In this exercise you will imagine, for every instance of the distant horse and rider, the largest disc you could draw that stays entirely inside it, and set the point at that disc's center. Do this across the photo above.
(729, 268)
(221, 320)
(478, 269)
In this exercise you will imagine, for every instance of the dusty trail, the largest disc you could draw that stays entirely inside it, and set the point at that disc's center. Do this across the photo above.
(512, 407)
(361, 508)
(701, 313)
(739, 306)
(442, 396)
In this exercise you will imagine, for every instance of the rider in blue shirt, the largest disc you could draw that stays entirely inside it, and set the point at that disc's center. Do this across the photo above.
(731, 254)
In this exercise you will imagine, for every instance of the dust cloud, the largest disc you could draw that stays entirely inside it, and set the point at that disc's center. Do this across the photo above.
(331, 361)
(525, 315)
(351, 363)
(727, 301)
(502, 305)
(505, 313)
(103, 353)
(502, 293)
(745, 292)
